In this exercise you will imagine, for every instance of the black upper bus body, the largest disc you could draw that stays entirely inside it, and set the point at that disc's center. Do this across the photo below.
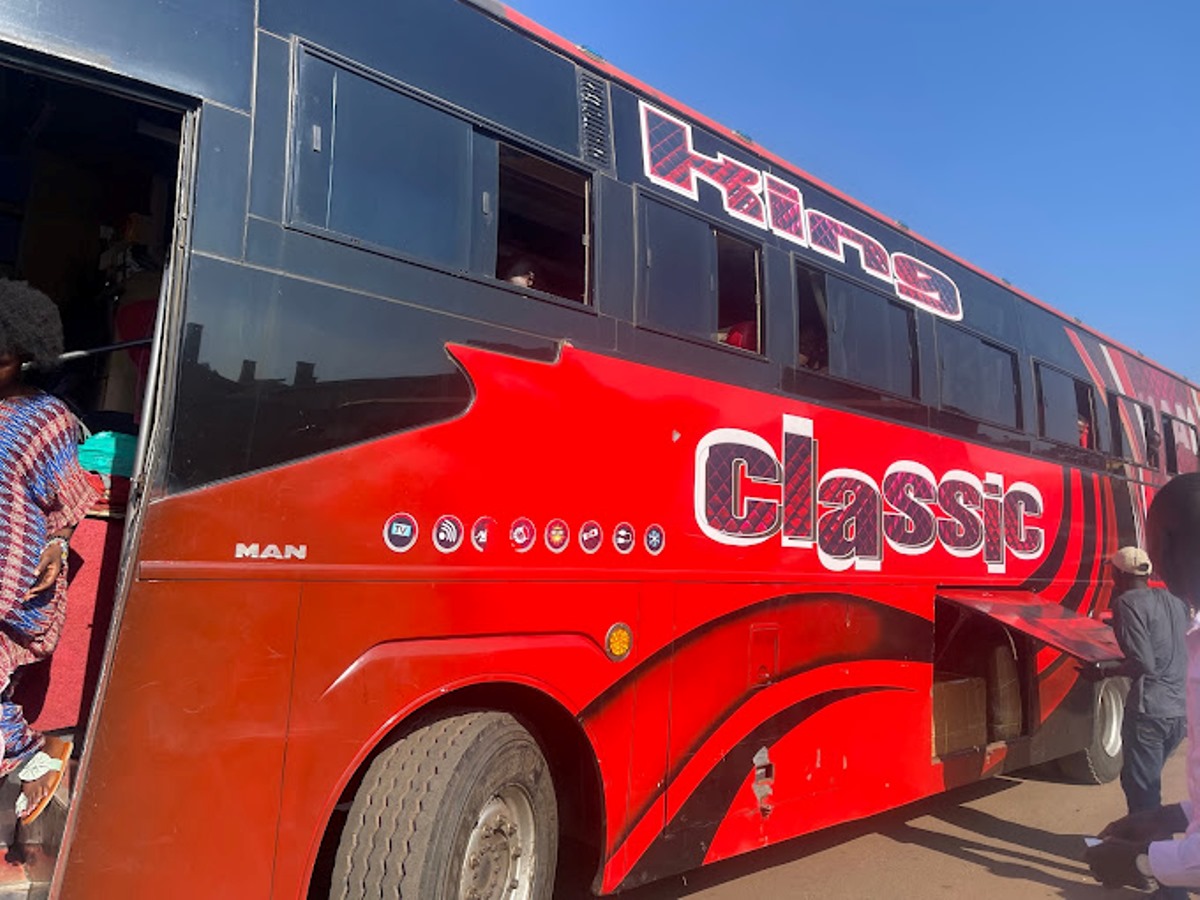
(362, 172)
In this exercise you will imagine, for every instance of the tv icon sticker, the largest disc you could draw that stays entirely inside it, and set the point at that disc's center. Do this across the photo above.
(624, 538)
(448, 534)
(522, 534)
(654, 539)
(591, 537)
(481, 531)
(558, 535)
(400, 532)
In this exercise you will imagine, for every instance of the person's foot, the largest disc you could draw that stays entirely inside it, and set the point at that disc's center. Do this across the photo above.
(37, 790)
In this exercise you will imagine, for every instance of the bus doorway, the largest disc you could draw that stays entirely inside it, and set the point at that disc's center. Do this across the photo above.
(88, 188)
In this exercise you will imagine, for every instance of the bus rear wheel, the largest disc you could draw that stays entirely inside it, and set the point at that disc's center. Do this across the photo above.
(463, 808)
(1100, 762)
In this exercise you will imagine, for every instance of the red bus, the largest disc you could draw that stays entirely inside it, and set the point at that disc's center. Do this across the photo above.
(532, 479)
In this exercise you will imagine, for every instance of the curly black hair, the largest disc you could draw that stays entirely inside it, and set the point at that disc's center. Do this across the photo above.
(30, 326)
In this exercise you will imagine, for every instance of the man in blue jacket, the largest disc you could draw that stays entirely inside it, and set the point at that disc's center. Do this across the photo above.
(1151, 625)
(1145, 844)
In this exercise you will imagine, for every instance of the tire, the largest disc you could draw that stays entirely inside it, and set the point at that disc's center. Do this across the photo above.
(461, 808)
(1101, 761)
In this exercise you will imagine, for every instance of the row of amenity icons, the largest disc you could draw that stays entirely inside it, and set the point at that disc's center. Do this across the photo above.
(402, 530)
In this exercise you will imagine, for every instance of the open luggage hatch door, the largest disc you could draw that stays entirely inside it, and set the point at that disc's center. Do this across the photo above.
(1086, 638)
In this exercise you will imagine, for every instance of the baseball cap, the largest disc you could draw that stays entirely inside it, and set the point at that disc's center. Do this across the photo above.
(1132, 560)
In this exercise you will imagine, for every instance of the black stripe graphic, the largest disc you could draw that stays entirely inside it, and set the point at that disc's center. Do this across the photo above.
(708, 805)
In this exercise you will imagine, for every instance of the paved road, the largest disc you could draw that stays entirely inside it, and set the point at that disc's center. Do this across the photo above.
(1010, 837)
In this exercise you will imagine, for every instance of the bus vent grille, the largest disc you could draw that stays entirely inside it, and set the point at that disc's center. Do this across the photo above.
(595, 136)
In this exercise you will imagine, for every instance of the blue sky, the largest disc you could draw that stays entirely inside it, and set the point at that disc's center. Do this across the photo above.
(1055, 143)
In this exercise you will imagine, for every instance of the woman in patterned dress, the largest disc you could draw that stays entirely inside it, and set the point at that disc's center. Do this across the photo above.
(43, 495)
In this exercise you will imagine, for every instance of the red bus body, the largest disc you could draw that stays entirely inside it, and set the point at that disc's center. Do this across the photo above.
(780, 550)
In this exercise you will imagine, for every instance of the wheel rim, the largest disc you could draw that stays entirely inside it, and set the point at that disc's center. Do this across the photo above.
(1112, 713)
(501, 850)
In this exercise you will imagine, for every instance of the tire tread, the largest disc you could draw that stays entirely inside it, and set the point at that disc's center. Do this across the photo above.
(394, 816)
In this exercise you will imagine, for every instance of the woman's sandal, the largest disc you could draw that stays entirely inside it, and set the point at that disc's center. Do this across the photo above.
(52, 758)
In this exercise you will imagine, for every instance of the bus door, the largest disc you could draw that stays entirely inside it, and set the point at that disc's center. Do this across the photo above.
(95, 187)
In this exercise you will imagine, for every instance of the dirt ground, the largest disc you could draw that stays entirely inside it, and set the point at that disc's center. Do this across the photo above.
(1011, 837)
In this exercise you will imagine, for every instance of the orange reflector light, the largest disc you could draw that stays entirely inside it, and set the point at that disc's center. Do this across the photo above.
(618, 642)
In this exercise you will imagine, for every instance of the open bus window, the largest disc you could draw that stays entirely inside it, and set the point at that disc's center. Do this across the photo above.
(737, 293)
(1181, 445)
(1153, 441)
(1066, 410)
(978, 378)
(812, 348)
(872, 340)
(1134, 437)
(699, 281)
(543, 225)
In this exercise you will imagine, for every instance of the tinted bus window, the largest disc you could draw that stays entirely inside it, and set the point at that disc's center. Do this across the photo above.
(978, 378)
(1134, 437)
(1066, 411)
(543, 225)
(377, 166)
(872, 340)
(1181, 445)
(699, 281)
(679, 263)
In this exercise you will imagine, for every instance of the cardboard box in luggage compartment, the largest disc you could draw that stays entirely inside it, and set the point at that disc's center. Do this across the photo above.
(959, 714)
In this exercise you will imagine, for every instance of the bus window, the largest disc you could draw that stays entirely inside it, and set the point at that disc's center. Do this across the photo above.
(677, 292)
(1181, 446)
(872, 340)
(813, 339)
(1153, 441)
(699, 281)
(978, 378)
(542, 223)
(377, 166)
(1066, 410)
(1134, 437)
(737, 293)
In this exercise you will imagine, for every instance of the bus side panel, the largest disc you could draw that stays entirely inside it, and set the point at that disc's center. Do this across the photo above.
(182, 776)
(199, 47)
(370, 656)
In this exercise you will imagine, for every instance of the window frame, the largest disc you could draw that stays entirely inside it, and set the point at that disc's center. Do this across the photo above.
(495, 200)
(644, 262)
(1171, 446)
(1038, 366)
(1115, 430)
(483, 130)
(1014, 355)
(911, 312)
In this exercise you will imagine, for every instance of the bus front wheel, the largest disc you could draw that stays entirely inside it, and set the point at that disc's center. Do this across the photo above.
(463, 807)
(1101, 760)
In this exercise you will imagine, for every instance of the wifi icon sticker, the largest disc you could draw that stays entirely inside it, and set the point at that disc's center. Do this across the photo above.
(448, 534)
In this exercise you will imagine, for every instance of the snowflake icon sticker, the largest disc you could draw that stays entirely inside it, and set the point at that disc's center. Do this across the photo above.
(654, 539)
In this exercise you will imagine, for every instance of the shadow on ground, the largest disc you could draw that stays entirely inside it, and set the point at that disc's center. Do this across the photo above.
(1006, 849)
